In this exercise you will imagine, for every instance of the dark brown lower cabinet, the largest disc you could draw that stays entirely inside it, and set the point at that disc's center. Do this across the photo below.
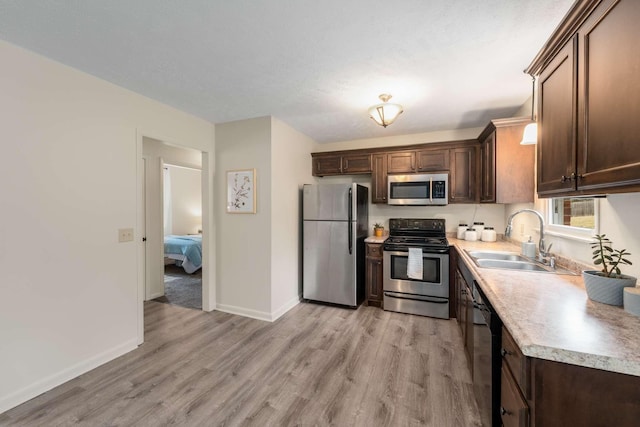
(373, 274)
(537, 392)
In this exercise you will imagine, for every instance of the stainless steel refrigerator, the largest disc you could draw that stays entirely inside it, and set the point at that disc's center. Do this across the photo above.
(335, 221)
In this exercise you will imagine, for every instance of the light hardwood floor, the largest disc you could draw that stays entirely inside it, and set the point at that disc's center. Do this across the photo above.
(317, 365)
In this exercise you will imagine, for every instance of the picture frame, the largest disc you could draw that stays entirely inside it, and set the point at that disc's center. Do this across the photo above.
(241, 191)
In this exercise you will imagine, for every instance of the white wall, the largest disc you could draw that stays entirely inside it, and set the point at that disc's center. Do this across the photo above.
(186, 200)
(244, 240)
(290, 169)
(155, 153)
(68, 295)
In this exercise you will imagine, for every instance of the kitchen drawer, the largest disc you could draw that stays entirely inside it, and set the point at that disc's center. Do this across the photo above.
(374, 250)
(514, 411)
(516, 361)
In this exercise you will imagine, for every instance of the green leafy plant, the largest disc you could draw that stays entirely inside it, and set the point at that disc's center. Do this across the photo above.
(378, 225)
(604, 255)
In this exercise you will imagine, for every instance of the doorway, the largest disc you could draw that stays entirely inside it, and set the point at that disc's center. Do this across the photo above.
(154, 154)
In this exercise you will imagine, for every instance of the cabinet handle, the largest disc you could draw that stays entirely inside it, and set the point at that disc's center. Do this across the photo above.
(503, 352)
(564, 178)
(575, 177)
(503, 411)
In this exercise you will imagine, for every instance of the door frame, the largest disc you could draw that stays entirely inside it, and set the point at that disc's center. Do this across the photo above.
(209, 299)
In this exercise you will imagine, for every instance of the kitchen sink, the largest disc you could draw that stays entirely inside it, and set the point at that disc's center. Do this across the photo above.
(510, 265)
(512, 261)
(491, 255)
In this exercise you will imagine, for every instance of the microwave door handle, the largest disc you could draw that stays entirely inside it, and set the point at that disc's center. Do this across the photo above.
(431, 190)
(350, 221)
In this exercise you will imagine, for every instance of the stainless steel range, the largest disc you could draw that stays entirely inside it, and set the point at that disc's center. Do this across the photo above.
(420, 242)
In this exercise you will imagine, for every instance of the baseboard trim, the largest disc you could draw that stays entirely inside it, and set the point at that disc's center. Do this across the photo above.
(29, 392)
(260, 315)
(285, 307)
(154, 296)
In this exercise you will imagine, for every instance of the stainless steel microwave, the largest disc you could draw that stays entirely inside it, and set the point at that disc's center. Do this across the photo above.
(418, 190)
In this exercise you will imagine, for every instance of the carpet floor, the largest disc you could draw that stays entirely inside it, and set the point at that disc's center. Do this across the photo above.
(181, 288)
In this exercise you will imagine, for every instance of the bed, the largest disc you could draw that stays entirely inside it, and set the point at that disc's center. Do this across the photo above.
(186, 250)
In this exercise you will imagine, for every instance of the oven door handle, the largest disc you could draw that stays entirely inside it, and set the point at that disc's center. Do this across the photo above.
(350, 220)
(413, 297)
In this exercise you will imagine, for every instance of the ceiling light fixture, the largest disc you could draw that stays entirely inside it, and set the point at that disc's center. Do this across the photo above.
(530, 134)
(384, 114)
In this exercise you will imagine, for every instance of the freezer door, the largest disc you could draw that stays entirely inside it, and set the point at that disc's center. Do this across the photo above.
(329, 273)
(326, 202)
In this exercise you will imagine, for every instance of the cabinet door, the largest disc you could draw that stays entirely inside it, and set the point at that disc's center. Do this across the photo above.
(432, 160)
(379, 178)
(356, 163)
(514, 411)
(403, 162)
(488, 169)
(327, 165)
(556, 124)
(463, 180)
(374, 281)
(609, 97)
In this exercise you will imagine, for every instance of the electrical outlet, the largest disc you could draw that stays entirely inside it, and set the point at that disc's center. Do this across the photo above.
(125, 235)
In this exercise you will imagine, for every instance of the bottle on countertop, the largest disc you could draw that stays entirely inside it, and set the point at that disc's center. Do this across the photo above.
(489, 234)
(529, 248)
(462, 228)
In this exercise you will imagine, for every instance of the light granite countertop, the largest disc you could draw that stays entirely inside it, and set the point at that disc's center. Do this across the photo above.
(374, 239)
(551, 317)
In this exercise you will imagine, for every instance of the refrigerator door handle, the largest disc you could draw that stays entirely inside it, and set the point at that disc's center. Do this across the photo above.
(350, 221)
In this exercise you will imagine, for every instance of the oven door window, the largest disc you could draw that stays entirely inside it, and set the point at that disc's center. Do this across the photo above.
(430, 269)
(409, 190)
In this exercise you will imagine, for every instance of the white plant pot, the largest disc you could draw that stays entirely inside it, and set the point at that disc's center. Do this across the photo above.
(608, 290)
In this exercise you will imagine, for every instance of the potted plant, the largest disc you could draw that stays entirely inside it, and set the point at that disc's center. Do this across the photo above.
(378, 229)
(607, 284)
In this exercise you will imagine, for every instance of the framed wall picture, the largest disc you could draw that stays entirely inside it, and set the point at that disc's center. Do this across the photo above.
(241, 191)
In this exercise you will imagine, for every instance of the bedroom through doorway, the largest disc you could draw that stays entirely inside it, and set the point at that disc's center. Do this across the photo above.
(182, 230)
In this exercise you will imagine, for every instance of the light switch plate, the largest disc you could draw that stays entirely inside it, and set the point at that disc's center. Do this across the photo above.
(125, 235)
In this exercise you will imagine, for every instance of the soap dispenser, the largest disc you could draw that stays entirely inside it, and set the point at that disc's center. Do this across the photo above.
(529, 248)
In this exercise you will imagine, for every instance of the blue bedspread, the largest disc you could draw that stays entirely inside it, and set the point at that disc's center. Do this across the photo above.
(189, 246)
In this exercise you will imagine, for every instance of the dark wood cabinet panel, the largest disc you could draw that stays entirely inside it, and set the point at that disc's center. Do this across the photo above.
(609, 97)
(557, 139)
(432, 160)
(327, 165)
(463, 179)
(589, 101)
(356, 163)
(514, 410)
(340, 163)
(506, 167)
(574, 395)
(402, 162)
(488, 169)
(379, 178)
(374, 273)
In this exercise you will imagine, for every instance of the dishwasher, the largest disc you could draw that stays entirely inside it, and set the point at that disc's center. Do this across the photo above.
(487, 337)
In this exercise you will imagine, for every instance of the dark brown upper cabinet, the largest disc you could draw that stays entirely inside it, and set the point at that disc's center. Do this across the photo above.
(325, 164)
(401, 162)
(379, 178)
(506, 167)
(463, 178)
(432, 160)
(589, 101)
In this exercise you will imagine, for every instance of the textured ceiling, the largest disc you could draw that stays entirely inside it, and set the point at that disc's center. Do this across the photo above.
(316, 65)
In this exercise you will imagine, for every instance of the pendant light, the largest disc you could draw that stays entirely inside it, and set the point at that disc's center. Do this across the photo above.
(530, 134)
(384, 114)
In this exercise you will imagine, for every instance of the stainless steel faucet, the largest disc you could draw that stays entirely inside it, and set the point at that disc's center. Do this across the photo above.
(544, 251)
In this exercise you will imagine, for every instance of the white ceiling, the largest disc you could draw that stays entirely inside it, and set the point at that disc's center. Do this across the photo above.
(316, 65)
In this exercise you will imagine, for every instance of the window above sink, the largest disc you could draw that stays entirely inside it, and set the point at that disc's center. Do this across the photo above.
(576, 218)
